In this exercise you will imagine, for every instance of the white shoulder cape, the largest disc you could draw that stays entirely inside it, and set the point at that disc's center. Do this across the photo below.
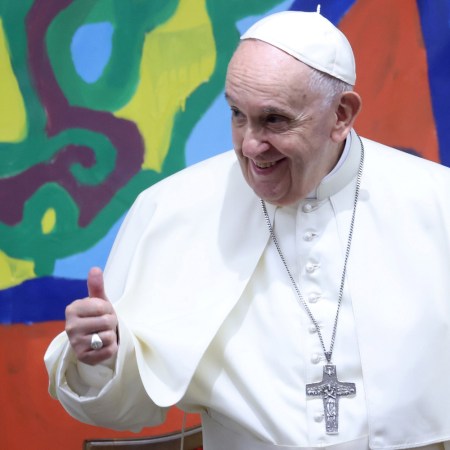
(190, 244)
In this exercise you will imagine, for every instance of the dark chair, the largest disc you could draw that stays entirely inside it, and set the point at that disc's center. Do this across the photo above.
(171, 441)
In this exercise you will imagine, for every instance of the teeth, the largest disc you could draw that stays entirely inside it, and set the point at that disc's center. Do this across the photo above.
(264, 165)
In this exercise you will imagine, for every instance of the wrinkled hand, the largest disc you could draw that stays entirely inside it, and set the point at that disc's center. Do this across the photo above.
(94, 314)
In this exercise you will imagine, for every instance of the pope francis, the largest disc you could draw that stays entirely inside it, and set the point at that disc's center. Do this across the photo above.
(293, 291)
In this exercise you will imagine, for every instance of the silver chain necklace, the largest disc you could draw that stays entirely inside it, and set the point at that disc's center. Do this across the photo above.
(330, 389)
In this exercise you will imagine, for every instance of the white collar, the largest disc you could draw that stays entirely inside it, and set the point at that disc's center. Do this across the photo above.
(343, 172)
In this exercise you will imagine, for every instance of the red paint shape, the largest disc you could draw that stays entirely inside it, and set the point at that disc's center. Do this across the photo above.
(30, 418)
(392, 75)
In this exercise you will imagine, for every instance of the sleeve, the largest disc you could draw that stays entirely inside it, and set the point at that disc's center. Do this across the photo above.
(109, 396)
(112, 398)
(127, 242)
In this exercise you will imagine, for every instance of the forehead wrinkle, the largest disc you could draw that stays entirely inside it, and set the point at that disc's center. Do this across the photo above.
(271, 109)
(272, 85)
(260, 60)
(240, 88)
(275, 95)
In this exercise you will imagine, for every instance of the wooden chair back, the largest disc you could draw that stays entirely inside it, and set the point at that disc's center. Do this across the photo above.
(172, 441)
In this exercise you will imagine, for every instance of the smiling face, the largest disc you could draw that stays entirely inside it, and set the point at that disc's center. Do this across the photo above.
(284, 133)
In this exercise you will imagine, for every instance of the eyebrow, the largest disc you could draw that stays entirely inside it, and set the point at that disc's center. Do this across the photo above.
(275, 110)
(228, 97)
(267, 109)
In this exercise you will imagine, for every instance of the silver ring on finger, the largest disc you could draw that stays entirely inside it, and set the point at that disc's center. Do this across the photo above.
(96, 342)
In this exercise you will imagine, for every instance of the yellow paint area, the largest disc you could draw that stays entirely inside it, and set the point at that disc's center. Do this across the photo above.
(48, 221)
(13, 122)
(14, 271)
(177, 57)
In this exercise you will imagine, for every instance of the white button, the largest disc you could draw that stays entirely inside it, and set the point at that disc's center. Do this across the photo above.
(316, 358)
(310, 267)
(318, 417)
(312, 298)
(307, 207)
(309, 236)
(312, 329)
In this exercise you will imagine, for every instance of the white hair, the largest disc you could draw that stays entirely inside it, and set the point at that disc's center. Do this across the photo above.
(326, 85)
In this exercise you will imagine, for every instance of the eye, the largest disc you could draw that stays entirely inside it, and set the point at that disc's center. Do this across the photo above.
(236, 115)
(235, 112)
(275, 118)
(277, 122)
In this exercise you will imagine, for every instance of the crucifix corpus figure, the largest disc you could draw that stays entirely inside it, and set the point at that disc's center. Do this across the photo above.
(330, 389)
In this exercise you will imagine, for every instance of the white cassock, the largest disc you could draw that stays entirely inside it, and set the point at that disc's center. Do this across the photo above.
(208, 318)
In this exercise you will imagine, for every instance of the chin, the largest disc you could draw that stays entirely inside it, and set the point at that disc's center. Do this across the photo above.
(272, 199)
(285, 200)
(274, 194)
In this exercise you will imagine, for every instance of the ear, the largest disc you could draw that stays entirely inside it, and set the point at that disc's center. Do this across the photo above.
(347, 108)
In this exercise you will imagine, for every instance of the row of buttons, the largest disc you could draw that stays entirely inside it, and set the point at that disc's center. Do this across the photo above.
(313, 297)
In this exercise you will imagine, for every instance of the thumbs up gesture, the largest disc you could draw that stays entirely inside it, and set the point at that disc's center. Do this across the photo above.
(92, 316)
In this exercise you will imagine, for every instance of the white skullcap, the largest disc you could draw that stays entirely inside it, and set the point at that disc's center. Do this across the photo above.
(310, 38)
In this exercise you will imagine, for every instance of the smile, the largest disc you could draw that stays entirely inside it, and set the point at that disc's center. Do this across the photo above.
(264, 165)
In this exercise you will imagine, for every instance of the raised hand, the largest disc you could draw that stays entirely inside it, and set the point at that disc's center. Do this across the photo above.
(94, 314)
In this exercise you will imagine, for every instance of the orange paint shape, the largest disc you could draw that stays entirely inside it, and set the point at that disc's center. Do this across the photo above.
(30, 418)
(392, 75)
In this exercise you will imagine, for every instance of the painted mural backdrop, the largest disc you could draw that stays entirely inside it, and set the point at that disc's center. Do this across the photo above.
(100, 99)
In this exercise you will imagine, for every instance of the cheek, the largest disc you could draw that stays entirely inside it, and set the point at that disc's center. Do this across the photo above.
(243, 164)
(290, 146)
(236, 136)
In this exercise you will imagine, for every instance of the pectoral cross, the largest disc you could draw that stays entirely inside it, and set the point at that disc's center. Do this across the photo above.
(330, 389)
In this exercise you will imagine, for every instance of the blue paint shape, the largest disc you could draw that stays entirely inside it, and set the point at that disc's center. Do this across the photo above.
(211, 134)
(91, 49)
(39, 300)
(77, 266)
(435, 22)
(333, 10)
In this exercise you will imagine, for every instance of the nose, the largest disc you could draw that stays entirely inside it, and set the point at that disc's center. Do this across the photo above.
(253, 142)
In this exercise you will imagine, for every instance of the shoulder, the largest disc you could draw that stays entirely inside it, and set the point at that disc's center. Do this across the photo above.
(200, 189)
(198, 179)
(403, 168)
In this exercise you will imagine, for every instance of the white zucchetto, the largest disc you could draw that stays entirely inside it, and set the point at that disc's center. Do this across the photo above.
(310, 38)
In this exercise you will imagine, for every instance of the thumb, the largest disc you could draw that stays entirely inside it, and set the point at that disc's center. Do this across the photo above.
(95, 283)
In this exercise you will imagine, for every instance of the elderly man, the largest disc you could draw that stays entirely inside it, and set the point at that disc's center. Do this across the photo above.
(295, 297)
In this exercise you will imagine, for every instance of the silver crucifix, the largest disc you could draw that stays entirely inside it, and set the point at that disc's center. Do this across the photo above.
(330, 389)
